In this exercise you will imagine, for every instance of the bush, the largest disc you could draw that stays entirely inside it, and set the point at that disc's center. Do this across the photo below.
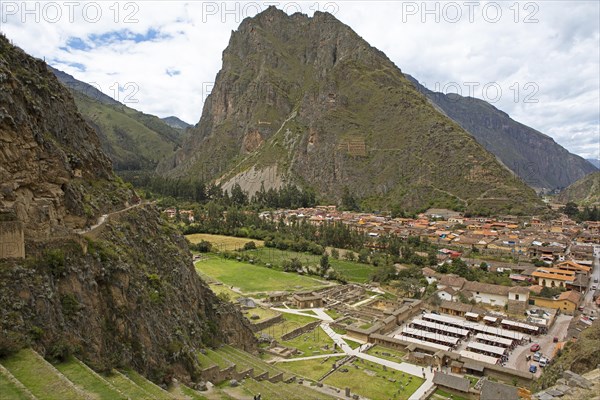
(249, 246)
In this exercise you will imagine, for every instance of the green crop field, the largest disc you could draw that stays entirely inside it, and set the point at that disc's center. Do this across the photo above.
(252, 278)
(223, 243)
(352, 271)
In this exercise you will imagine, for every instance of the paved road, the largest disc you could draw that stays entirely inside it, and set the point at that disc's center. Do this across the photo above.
(404, 367)
(517, 359)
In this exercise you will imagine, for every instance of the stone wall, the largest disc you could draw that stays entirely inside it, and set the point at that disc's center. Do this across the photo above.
(12, 240)
(259, 326)
(301, 330)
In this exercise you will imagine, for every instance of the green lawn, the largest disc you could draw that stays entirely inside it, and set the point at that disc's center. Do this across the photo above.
(220, 288)
(126, 386)
(262, 313)
(333, 313)
(252, 278)
(352, 271)
(311, 369)
(156, 392)
(311, 343)
(387, 354)
(290, 322)
(370, 380)
(92, 383)
(10, 391)
(38, 376)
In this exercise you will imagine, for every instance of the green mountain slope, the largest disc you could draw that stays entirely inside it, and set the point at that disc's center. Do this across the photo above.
(536, 158)
(133, 140)
(585, 192)
(307, 101)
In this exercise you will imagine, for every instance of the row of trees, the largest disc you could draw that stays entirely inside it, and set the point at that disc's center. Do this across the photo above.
(587, 214)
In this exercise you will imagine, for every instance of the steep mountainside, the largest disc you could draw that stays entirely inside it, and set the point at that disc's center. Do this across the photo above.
(133, 140)
(585, 191)
(53, 173)
(122, 293)
(307, 101)
(536, 158)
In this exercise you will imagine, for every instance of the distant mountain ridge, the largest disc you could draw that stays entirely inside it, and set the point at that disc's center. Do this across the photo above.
(176, 123)
(584, 192)
(307, 101)
(594, 161)
(133, 140)
(536, 158)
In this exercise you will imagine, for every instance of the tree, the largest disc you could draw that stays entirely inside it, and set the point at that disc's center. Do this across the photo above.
(570, 209)
(483, 266)
(348, 200)
(335, 253)
(249, 246)
(363, 256)
(324, 264)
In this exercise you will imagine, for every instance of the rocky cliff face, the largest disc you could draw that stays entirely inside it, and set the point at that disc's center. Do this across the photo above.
(53, 173)
(124, 293)
(536, 158)
(312, 103)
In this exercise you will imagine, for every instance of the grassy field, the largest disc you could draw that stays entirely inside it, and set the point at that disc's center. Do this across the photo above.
(223, 243)
(352, 271)
(387, 354)
(311, 343)
(370, 380)
(291, 322)
(311, 369)
(9, 390)
(220, 288)
(75, 371)
(38, 376)
(262, 313)
(252, 278)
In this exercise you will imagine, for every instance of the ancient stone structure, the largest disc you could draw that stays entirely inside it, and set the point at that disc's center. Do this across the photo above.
(12, 240)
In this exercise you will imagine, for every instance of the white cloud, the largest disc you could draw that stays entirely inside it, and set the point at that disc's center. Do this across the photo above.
(558, 56)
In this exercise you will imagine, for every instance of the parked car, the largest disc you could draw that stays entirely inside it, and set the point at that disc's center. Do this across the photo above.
(534, 347)
(555, 340)
(596, 280)
(532, 369)
(594, 287)
(543, 362)
(537, 356)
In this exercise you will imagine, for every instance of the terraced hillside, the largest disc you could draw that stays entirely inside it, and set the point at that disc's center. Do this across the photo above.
(26, 375)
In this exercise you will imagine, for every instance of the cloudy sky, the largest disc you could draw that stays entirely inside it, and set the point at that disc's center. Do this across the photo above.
(539, 61)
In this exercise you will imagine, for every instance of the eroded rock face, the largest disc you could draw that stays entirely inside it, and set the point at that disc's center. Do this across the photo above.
(49, 157)
(334, 112)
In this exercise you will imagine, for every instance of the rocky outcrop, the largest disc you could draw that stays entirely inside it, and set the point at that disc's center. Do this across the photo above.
(53, 173)
(313, 100)
(534, 157)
